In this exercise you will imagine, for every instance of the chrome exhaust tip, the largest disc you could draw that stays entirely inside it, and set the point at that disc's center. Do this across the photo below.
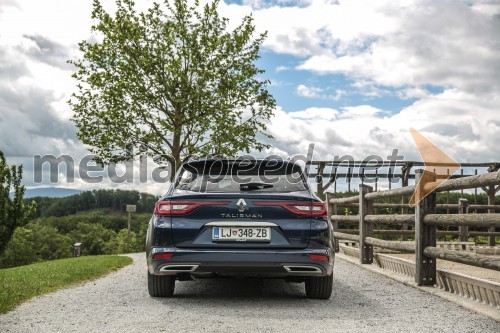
(178, 268)
(303, 270)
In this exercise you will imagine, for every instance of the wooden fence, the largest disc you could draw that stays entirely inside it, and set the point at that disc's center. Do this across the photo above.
(425, 221)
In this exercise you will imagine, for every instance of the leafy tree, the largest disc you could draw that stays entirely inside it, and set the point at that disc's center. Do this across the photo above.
(13, 211)
(20, 250)
(171, 81)
(118, 244)
(36, 242)
(49, 243)
(93, 236)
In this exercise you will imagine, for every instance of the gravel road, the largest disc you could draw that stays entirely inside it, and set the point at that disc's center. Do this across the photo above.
(362, 302)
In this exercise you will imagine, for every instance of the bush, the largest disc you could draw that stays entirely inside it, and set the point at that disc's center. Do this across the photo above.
(20, 250)
(36, 242)
(93, 236)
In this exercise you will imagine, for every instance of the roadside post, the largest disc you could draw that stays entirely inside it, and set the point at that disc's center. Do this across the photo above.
(77, 249)
(130, 209)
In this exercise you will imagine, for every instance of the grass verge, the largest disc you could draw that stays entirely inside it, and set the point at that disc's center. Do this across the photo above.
(19, 284)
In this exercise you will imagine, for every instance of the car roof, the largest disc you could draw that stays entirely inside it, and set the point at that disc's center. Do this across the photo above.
(241, 160)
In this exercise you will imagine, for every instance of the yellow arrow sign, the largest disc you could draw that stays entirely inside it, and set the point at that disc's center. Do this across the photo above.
(438, 167)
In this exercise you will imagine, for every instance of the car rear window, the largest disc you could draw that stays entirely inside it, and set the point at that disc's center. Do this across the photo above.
(231, 177)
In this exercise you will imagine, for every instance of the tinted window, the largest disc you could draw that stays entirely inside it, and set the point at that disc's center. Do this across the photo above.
(224, 177)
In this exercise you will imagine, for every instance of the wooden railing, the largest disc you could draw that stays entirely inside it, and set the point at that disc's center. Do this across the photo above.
(425, 221)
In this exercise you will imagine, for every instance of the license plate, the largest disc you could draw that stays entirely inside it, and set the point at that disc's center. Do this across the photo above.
(241, 234)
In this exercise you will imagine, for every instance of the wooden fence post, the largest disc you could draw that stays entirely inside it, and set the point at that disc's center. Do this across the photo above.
(405, 171)
(319, 179)
(425, 235)
(463, 230)
(365, 229)
(491, 201)
(331, 209)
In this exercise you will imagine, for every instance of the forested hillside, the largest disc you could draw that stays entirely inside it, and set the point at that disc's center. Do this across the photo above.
(95, 218)
(115, 200)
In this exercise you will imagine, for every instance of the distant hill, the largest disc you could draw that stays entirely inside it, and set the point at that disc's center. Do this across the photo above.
(50, 192)
(72, 202)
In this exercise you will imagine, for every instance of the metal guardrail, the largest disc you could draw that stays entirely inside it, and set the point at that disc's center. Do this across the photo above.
(425, 221)
(480, 290)
(397, 265)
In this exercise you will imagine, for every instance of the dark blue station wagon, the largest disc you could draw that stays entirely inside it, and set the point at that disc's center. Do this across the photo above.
(240, 218)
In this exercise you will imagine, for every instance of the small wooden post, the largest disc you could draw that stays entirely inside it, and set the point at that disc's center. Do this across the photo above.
(130, 209)
(331, 209)
(463, 209)
(365, 229)
(405, 171)
(319, 179)
(491, 190)
(349, 180)
(425, 235)
(491, 201)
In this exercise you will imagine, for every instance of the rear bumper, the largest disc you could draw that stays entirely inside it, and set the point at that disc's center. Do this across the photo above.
(271, 263)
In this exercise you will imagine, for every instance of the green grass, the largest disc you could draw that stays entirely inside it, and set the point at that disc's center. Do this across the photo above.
(19, 284)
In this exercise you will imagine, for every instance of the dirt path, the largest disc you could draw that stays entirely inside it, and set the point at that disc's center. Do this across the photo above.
(362, 302)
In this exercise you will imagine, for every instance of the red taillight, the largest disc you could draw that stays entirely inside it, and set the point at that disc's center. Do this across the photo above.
(319, 209)
(169, 207)
(158, 256)
(318, 257)
(298, 208)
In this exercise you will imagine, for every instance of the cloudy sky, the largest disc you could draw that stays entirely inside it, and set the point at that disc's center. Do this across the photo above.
(350, 76)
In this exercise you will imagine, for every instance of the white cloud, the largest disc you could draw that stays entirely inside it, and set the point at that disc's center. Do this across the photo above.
(259, 4)
(303, 30)
(316, 92)
(416, 92)
(282, 68)
(361, 111)
(305, 91)
(490, 7)
(402, 44)
(398, 48)
(440, 43)
(386, 47)
(316, 114)
(455, 121)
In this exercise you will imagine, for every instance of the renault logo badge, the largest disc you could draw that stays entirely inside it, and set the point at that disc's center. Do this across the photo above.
(242, 205)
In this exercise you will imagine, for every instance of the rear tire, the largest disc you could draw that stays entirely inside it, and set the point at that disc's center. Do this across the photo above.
(161, 285)
(319, 287)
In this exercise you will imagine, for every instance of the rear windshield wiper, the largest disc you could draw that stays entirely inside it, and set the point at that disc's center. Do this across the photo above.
(254, 186)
